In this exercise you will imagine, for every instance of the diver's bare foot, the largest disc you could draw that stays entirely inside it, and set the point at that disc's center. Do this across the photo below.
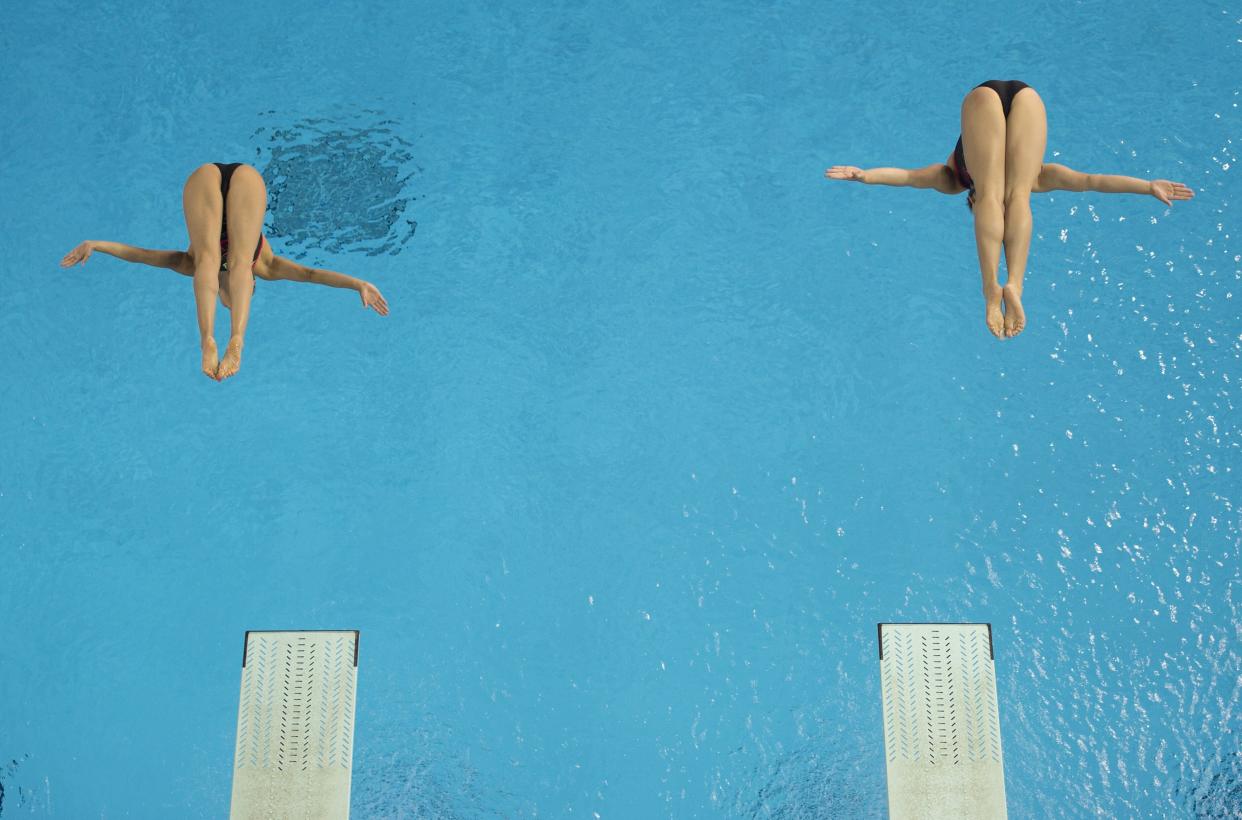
(1015, 317)
(210, 359)
(994, 318)
(231, 362)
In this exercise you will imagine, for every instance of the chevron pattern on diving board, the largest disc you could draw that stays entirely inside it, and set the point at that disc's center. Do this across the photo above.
(902, 737)
(941, 723)
(295, 725)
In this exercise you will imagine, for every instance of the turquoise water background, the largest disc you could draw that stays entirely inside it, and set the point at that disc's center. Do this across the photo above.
(662, 422)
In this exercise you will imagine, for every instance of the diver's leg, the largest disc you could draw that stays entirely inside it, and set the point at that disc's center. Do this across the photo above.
(983, 140)
(1025, 139)
(202, 203)
(246, 206)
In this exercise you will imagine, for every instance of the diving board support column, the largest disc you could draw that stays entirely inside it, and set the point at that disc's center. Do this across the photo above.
(941, 723)
(295, 725)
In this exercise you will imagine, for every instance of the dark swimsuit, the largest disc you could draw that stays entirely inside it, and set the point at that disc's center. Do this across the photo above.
(226, 174)
(1006, 89)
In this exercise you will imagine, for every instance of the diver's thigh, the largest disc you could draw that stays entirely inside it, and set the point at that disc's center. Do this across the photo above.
(246, 208)
(203, 206)
(1025, 141)
(983, 138)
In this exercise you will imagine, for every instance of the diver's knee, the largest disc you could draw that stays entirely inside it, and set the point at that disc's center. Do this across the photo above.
(241, 277)
(206, 262)
(1017, 195)
(989, 198)
(239, 266)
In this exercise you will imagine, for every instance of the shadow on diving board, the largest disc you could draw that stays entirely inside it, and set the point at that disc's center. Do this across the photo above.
(941, 724)
(295, 725)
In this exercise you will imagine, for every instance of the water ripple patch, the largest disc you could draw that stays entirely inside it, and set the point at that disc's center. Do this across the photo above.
(340, 184)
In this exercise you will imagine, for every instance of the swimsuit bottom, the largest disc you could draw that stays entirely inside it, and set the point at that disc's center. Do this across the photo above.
(226, 174)
(1006, 90)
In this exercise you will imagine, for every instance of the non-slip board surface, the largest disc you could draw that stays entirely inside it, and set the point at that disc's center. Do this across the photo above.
(941, 723)
(295, 726)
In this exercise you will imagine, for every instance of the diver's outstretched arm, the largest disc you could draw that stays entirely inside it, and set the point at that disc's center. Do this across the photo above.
(1054, 177)
(281, 268)
(938, 176)
(178, 261)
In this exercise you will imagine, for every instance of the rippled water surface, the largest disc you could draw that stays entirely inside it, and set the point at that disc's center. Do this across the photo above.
(662, 422)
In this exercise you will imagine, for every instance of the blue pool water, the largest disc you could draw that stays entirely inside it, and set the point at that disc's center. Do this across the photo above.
(662, 422)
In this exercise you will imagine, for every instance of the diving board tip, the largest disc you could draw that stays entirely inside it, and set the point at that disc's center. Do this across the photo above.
(295, 725)
(941, 722)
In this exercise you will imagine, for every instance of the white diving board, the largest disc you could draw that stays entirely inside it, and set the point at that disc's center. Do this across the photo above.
(941, 723)
(295, 726)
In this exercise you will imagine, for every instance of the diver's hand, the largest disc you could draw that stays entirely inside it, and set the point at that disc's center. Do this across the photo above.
(372, 298)
(78, 255)
(1166, 191)
(846, 172)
